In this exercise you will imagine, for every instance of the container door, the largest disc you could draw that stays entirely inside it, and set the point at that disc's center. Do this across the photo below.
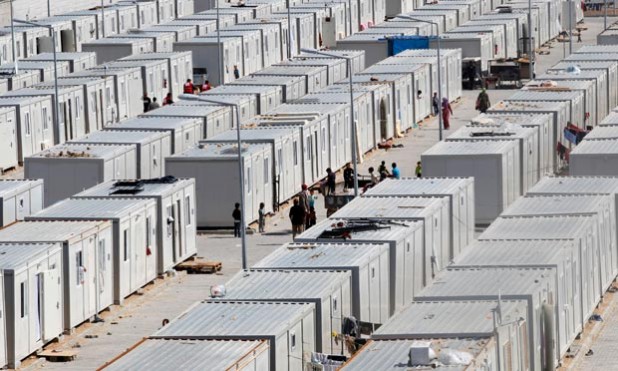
(141, 239)
(90, 287)
(3, 357)
(51, 304)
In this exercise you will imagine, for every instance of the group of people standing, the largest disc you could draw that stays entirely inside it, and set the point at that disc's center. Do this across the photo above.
(302, 214)
(482, 105)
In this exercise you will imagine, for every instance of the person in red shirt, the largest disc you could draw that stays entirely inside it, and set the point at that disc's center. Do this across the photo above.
(168, 99)
(206, 86)
(188, 87)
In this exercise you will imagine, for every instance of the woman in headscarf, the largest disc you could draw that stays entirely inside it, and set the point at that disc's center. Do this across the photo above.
(447, 111)
(482, 102)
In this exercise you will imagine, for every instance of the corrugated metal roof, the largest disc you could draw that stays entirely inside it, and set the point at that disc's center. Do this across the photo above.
(155, 123)
(592, 57)
(600, 146)
(486, 283)
(536, 228)
(582, 74)
(13, 256)
(92, 208)
(122, 137)
(9, 187)
(110, 40)
(448, 319)
(390, 233)
(157, 55)
(291, 70)
(393, 355)
(473, 148)
(48, 231)
(603, 132)
(555, 205)
(300, 108)
(503, 132)
(63, 56)
(512, 118)
(598, 49)
(23, 100)
(584, 65)
(562, 83)
(149, 188)
(216, 151)
(390, 207)
(235, 319)
(85, 151)
(545, 95)
(162, 354)
(321, 255)
(610, 119)
(198, 110)
(258, 134)
(241, 89)
(513, 253)
(383, 67)
(278, 284)
(576, 185)
(133, 63)
(429, 52)
(527, 106)
(421, 187)
(267, 80)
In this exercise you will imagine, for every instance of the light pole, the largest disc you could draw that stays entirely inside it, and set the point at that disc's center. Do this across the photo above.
(57, 130)
(530, 43)
(102, 18)
(219, 47)
(15, 69)
(605, 15)
(439, 58)
(570, 2)
(234, 106)
(289, 31)
(352, 121)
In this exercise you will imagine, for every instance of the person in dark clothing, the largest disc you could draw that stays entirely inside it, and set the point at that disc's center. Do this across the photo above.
(297, 217)
(348, 177)
(482, 101)
(236, 72)
(383, 171)
(331, 181)
(168, 99)
(236, 216)
(435, 104)
(146, 99)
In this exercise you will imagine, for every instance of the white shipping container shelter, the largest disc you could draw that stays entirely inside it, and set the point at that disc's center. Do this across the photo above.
(446, 20)
(509, 27)
(166, 10)
(433, 68)
(247, 103)
(520, 19)
(216, 118)
(127, 91)
(540, 122)
(436, 9)
(146, 11)
(70, 168)
(104, 20)
(204, 50)
(459, 191)
(180, 32)
(600, 88)
(185, 132)
(466, 320)
(472, 46)
(405, 26)
(433, 214)
(33, 300)
(390, 355)
(497, 37)
(82, 29)
(336, 68)
(176, 231)
(152, 147)
(202, 26)
(495, 165)
(375, 46)
(579, 228)
(127, 16)
(591, 61)
(316, 77)
(111, 49)
(367, 263)
(99, 100)
(179, 69)
(330, 291)
(184, 7)
(539, 21)
(402, 110)
(134, 223)
(206, 21)
(331, 19)
(565, 257)
(527, 139)
(286, 174)
(289, 328)
(72, 123)
(600, 207)
(406, 257)
(594, 157)
(268, 97)
(78, 61)
(34, 123)
(535, 286)
(155, 75)
(86, 262)
(394, 8)
(242, 355)
(6, 52)
(303, 31)
(269, 39)
(587, 88)
(8, 139)
(24, 78)
(44, 68)
(162, 42)
(293, 87)
(28, 39)
(280, 31)
(357, 57)
(19, 198)
(240, 14)
(201, 161)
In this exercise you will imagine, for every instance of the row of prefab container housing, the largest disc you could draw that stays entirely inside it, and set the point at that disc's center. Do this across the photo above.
(63, 265)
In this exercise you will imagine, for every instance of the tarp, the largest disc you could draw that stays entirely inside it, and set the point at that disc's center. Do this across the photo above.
(397, 44)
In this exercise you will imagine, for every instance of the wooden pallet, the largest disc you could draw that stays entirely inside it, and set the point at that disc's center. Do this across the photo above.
(58, 355)
(200, 265)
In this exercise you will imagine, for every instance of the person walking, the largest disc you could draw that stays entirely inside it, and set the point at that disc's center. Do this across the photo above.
(435, 104)
(348, 177)
(312, 218)
(261, 218)
(206, 86)
(304, 200)
(168, 99)
(579, 36)
(146, 99)
(331, 181)
(419, 170)
(482, 101)
(188, 87)
(236, 72)
(447, 111)
(154, 104)
(395, 171)
(383, 171)
(297, 217)
(236, 216)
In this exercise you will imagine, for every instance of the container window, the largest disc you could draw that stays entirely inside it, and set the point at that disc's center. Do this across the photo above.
(27, 123)
(125, 244)
(408, 247)
(248, 180)
(308, 149)
(23, 292)
(102, 256)
(188, 210)
(292, 340)
(280, 160)
(266, 175)
(335, 304)
(295, 153)
(373, 272)
(123, 91)
(45, 122)
(169, 218)
(79, 268)
(148, 234)
(108, 96)
(78, 107)
(323, 139)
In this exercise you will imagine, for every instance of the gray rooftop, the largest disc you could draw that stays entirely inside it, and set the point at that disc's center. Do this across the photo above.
(48, 231)
(537, 228)
(9, 187)
(92, 208)
(13, 256)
